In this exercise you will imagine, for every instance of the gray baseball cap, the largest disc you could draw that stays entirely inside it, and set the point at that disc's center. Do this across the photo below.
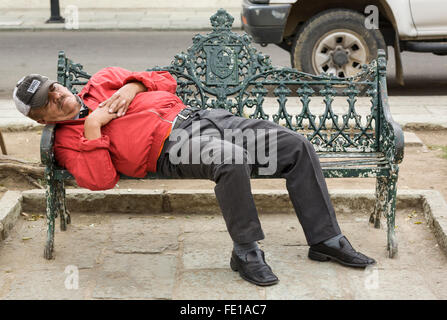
(31, 92)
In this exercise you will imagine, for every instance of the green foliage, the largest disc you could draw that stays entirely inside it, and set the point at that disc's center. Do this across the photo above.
(442, 149)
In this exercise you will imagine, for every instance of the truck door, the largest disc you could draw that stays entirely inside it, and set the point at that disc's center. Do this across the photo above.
(429, 17)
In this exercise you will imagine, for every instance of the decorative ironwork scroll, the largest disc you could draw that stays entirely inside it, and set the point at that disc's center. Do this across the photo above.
(222, 70)
(69, 74)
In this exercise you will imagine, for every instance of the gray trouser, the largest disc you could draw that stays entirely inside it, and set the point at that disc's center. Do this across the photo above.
(296, 161)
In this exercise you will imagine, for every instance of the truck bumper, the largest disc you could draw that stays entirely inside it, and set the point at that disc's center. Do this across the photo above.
(265, 22)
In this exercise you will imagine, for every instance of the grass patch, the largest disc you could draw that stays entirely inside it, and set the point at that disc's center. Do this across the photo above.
(442, 149)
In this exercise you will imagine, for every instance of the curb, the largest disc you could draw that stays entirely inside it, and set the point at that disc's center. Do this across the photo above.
(435, 212)
(10, 208)
(199, 201)
(116, 19)
(21, 128)
(132, 28)
(411, 139)
(180, 201)
(419, 126)
(160, 201)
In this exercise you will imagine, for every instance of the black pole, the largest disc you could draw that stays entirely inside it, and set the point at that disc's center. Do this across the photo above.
(55, 13)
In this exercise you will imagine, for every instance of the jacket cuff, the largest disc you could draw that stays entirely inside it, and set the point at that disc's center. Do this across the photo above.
(90, 145)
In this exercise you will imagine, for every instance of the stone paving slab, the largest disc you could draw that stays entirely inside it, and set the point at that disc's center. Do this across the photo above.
(215, 284)
(138, 276)
(158, 235)
(203, 250)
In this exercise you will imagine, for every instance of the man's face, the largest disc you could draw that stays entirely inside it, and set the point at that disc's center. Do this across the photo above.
(61, 105)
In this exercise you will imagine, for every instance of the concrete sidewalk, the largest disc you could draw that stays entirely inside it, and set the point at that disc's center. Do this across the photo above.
(116, 15)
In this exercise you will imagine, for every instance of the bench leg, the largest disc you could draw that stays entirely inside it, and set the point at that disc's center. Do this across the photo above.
(51, 216)
(2, 144)
(64, 215)
(380, 206)
(391, 216)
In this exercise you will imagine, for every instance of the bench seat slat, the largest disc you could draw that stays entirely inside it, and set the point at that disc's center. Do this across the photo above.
(356, 163)
(350, 155)
(357, 172)
(334, 170)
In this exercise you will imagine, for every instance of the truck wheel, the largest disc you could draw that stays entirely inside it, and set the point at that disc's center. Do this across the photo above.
(337, 42)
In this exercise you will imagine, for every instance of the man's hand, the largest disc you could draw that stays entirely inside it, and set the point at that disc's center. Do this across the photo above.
(121, 99)
(93, 123)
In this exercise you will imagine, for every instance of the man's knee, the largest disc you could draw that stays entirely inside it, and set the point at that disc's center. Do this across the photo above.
(294, 139)
(232, 172)
(235, 161)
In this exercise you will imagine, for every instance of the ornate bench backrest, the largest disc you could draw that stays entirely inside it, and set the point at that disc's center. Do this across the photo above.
(222, 70)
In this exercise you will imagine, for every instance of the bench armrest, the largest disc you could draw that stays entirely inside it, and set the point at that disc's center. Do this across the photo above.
(391, 135)
(46, 145)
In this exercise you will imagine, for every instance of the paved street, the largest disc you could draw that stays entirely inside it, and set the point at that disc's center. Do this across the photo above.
(24, 52)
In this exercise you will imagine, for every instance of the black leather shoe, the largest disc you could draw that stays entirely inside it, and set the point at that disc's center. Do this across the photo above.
(254, 269)
(345, 255)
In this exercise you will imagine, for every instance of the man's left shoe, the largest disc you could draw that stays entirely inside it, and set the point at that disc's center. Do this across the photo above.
(345, 254)
(254, 269)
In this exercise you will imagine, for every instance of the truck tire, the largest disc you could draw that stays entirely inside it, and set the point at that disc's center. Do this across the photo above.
(337, 42)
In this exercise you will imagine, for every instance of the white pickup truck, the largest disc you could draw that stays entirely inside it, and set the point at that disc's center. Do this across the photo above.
(338, 36)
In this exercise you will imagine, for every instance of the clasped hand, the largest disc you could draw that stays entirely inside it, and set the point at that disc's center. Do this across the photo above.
(119, 101)
(114, 107)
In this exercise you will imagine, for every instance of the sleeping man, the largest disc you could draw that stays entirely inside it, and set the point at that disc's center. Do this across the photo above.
(133, 123)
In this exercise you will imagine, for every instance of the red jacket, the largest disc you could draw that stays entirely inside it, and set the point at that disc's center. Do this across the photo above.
(130, 144)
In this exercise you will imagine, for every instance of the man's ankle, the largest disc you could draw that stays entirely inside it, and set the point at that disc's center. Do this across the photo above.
(241, 249)
(334, 242)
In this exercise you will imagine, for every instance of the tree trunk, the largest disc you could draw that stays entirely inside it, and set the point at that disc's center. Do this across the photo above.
(34, 170)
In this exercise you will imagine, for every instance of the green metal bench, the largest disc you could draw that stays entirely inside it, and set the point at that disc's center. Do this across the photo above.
(222, 70)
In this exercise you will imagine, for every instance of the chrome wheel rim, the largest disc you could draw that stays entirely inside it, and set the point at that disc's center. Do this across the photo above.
(341, 53)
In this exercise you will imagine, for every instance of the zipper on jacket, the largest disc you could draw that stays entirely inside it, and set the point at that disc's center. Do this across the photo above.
(153, 111)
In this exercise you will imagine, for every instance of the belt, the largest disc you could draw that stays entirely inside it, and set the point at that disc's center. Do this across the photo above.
(184, 115)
